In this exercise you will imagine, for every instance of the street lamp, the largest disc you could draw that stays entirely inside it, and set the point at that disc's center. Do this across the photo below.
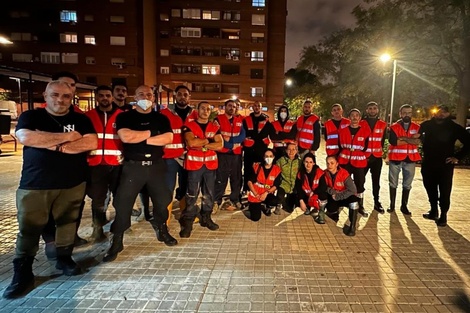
(5, 41)
(385, 58)
(289, 82)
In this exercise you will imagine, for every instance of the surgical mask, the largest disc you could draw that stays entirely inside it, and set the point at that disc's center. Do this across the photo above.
(283, 115)
(406, 119)
(269, 160)
(144, 104)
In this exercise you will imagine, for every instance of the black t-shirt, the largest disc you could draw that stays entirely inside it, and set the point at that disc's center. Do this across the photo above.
(45, 169)
(135, 120)
(183, 113)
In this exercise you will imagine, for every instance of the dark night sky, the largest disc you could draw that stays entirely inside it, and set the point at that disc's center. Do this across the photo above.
(310, 20)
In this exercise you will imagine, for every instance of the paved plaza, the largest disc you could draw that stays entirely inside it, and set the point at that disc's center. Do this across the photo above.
(283, 263)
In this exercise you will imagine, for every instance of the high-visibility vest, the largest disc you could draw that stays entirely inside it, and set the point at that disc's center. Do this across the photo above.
(263, 183)
(305, 131)
(399, 153)
(229, 130)
(176, 148)
(332, 139)
(196, 157)
(352, 148)
(248, 142)
(280, 129)
(109, 150)
(310, 187)
(339, 182)
(374, 147)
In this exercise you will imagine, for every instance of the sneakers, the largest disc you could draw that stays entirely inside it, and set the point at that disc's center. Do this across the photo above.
(277, 210)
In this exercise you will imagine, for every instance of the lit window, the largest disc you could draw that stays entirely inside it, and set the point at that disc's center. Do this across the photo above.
(190, 32)
(257, 37)
(70, 58)
(116, 19)
(257, 19)
(164, 52)
(22, 57)
(258, 3)
(88, 18)
(256, 91)
(117, 41)
(211, 69)
(90, 60)
(164, 17)
(211, 15)
(50, 57)
(68, 16)
(192, 13)
(68, 38)
(90, 40)
(175, 13)
(164, 70)
(118, 61)
(257, 56)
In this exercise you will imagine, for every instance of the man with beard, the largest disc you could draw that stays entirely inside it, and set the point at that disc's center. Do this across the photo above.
(119, 96)
(308, 130)
(438, 136)
(105, 161)
(375, 149)
(332, 127)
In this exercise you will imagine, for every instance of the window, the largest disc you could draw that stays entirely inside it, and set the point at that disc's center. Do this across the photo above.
(88, 18)
(258, 3)
(186, 69)
(22, 57)
(70, 58)
(257, 56)
(117, 41)
(231, 53)
(257, 37)
(90, 40)
(116, 19)
(192, 14)
(256, 73)
(190, 32)
(232, 15)
(119, 62)
(256, 91)
(68, 16)
(211, 15)
(164, 17)
(257, 19)
(90, 60)
(20, 37)
(211, 69)
(164, 52)
(50, 57)
(164, 70)
(175, 13)
(68, 38)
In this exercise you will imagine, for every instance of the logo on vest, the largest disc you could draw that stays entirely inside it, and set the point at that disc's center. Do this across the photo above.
(69, 128)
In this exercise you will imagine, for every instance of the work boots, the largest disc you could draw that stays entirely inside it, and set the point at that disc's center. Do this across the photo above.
(442, 221)
(393, 197)
(186, 227)
(404, 202)
(164, 236)
(66, 263)
(206, 221)
(99, 220)
(320, 218)
(361, 210)
(432, 214)
(116, 247)
(23, 278)
(353, 210)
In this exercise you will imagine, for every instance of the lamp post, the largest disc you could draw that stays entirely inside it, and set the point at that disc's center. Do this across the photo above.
(20, 100)
(385, 58)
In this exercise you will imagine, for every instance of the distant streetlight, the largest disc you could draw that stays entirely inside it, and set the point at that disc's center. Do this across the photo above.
(234, 97)
(289, 82)
(5, 41)
(385, 58)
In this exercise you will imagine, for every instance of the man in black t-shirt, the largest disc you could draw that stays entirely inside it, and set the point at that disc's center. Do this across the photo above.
(143, 133)
(55, 141)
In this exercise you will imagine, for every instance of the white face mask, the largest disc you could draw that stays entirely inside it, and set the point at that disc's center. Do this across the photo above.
(144, 104)
(283, 115)
(268, 160)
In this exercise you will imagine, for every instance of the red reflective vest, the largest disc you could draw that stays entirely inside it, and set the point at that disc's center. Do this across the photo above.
(196, 157)
(399, 153)
(338, 184)
(286, 129)
(305, 131)
(176, 148)
(229, 130)
(248, 142)
(332, 140)
(374, 147)
(109, 150)
(309, 189)
(353, 147)
(263, 183)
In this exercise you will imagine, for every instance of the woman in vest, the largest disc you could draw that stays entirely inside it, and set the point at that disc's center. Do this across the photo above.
(310, 186)
(262, 186)
(341, 193)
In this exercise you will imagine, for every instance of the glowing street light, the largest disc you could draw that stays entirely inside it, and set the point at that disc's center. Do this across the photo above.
(233, 97)
(289, 82)
(385, 58)
(5, 41)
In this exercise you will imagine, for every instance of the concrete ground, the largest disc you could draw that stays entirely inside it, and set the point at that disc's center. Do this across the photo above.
(283, 263)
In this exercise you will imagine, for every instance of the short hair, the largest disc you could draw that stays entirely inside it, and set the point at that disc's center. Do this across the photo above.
(292, 143)
(308, 101)
(182, 87)
(201, 103)
(228, 101)
(354, 110)
(406, 106)
(371, 104)
(57, 82)
(113, 85)
(103, 87)
(336, 105)
(71, 75)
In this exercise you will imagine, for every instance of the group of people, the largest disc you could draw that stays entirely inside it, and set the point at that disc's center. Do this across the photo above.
(119, 151)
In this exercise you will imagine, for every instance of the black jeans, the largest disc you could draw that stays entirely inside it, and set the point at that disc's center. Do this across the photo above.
(134, 177)
(103, 178)
(257, 207)
(437, 180)
(288, 200)
(201, 180)
(358, 175)
(375, 166)
(230, 166)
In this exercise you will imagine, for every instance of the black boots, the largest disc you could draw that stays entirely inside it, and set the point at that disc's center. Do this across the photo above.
(361, 210)
(353, 210)
(186, 227)
(378, 207)
(404, 202)
(99, 220)
(116, 247)
(393, 197)
(442, 221)
(206, 221)
(23, 278)
(433, 214)
(164, 236)
(66, 263)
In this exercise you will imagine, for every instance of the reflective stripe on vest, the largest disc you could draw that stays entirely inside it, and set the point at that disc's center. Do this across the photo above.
(353, 147)
(401, 152)
(107, 136)
(105, 152)
(174, 146)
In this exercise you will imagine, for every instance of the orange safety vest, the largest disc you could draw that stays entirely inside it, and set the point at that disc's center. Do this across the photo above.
(309, 189)
(374, 147)
(305, 131)
(196, 157)
(176, 148)
(286, 129)
(338, 184)
(353, 147)
(332, 141)
(399, 153)
(248, 142)
(263, 183)
(109, 151)
(229, 130)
